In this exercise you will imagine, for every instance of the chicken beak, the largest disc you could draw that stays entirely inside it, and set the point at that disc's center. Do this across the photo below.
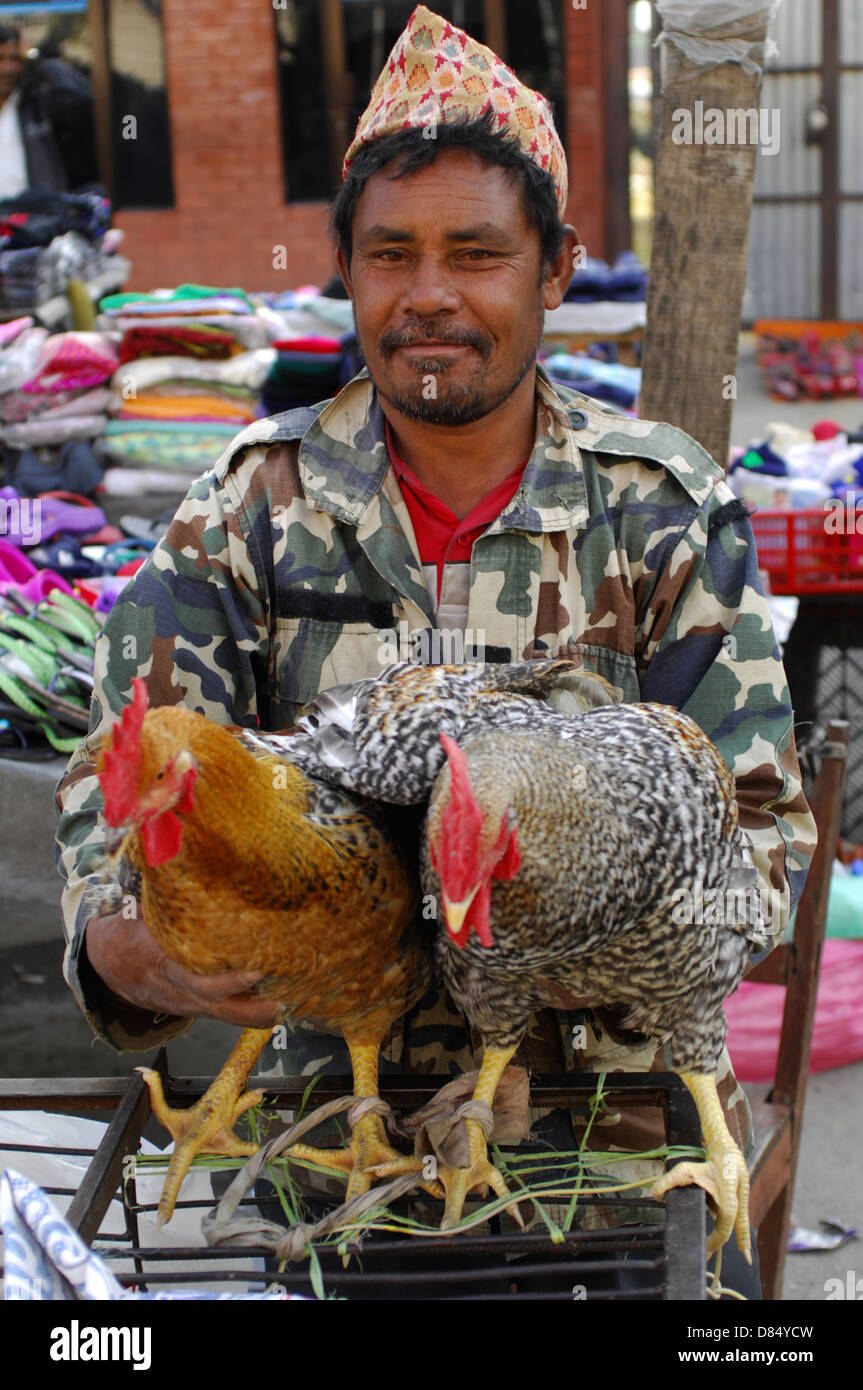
(455, 913)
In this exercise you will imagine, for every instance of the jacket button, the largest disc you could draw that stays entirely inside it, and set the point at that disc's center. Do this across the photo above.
(578, 419)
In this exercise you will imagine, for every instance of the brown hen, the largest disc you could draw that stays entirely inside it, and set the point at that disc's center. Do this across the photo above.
(244, 862)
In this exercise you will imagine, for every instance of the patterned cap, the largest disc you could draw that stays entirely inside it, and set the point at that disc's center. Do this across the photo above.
(437, 74)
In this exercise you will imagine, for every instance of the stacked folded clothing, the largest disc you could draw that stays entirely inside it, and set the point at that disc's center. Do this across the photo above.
(606, 381)
(191, 390)
(596, 281)
(65, 394)
(179, 412)
(166, 443)
(46, 239)
(307, 369)
(189, 321)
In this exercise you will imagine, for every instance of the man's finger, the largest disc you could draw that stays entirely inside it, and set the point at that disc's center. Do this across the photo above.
(212, 988)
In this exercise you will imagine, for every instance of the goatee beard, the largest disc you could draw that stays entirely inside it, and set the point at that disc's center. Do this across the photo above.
(455, 405)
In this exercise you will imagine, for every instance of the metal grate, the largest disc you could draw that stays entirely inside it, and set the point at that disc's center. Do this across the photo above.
(664, 1260)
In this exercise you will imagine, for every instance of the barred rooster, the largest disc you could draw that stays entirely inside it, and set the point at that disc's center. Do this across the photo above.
(559, 846)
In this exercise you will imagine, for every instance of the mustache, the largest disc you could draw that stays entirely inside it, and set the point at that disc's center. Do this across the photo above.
(417, 334)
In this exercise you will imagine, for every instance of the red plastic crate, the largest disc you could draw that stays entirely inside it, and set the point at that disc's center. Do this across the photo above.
(802, 556)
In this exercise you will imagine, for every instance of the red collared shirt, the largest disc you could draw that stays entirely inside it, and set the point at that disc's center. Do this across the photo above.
(445, 543)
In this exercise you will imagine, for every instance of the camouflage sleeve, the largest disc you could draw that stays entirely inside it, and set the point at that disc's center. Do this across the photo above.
(708, 647)
(193, 624)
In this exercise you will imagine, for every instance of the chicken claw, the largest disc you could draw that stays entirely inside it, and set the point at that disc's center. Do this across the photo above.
(457, 1182)
(207, 1127)
(724, 1175)
(478, 1172)
(368, 1151)
(369, 1146)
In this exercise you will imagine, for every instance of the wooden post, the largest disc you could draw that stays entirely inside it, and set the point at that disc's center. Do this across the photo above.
(703, 197)
(100, 77)
(337, 83)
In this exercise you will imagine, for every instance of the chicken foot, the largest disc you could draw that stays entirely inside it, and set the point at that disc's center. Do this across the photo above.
(458, 1182)
(724, 1175)
(369, 1146)
(207, 1127)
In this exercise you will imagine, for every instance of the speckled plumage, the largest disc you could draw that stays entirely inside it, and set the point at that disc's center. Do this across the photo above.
(620, 807)
(380, 737)
(617, 811)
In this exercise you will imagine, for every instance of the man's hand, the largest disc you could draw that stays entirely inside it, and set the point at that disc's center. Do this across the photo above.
(125, 956)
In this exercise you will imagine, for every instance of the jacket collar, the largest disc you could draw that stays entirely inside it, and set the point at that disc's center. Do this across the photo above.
(343, 462)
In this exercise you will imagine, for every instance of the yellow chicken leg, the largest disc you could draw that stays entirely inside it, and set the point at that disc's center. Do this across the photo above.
(724, 1175)
(207, 1127)
(369, 1145)
(458, 1182)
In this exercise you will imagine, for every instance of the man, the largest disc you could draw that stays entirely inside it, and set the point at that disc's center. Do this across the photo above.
(447, 489)
(46, 121)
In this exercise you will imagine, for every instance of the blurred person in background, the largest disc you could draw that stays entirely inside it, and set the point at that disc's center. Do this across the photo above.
(46, 121)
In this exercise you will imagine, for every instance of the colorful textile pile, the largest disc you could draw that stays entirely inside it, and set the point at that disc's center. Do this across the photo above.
(308, 369)
(190, 390)
(54, 387)
(46, 239)
(192, 361)
(190, 321)
(794, 468)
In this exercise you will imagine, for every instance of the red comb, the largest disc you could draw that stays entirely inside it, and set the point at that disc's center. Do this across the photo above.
(122, 761)
(462, 816)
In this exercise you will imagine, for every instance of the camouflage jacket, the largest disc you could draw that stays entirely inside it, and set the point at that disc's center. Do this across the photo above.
(292, 566)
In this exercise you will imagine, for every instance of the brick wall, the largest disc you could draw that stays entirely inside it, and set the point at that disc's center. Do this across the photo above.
(585, 132)
(229, 209)
(226, 134)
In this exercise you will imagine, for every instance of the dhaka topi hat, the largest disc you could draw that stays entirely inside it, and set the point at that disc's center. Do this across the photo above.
(437, 74)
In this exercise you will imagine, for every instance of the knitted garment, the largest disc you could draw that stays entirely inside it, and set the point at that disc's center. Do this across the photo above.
(436, 74)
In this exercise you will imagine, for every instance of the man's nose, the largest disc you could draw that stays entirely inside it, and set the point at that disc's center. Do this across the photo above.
(430, 288)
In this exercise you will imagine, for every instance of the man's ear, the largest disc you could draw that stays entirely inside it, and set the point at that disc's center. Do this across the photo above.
(556, 282)
(342, 266)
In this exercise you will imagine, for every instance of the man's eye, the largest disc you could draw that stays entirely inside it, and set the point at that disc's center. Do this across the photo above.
(391, 255)
(478, 253)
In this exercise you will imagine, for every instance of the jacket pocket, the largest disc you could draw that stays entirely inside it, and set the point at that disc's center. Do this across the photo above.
(618, 668)
(311, 654)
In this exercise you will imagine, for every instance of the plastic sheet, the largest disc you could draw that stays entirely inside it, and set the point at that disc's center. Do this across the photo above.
(685, 23)
(754, 1014)
(55, 1170)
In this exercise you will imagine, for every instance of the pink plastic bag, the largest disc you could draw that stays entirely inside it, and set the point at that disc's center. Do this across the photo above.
(754, 1016)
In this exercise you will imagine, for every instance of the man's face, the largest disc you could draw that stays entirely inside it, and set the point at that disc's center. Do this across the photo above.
(11, 63)
(445, 278)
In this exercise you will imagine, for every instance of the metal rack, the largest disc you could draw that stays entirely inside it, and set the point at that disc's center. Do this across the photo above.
(660, 1261)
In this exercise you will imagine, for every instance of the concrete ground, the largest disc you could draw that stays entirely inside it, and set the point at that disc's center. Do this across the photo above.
(42, 1032)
